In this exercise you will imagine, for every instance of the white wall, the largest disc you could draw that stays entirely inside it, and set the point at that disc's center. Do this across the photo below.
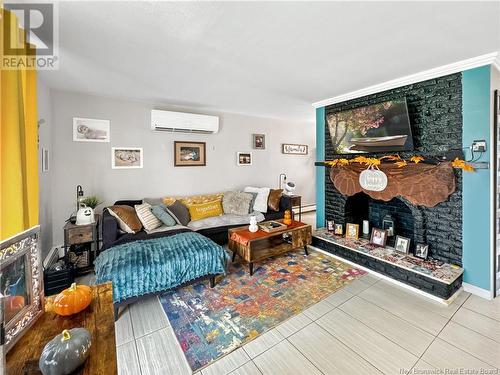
(45, 141)
(89, 164)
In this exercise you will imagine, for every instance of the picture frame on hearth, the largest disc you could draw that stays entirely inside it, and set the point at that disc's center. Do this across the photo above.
(352, 231)
(378, 237)
(422, 251)
(339, 229)
(330, 225)
(402, 244)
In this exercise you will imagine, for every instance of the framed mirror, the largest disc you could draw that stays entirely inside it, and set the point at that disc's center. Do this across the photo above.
(21, 285)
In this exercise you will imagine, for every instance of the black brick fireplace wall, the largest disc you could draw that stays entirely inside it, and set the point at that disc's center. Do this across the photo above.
(435, 111)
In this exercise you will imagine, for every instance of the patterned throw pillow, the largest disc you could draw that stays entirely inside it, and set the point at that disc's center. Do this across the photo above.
(204, 210)
(160, 211)
(148, 220)
(236, 203)
(261, 200)
(274, 199)
(126, 217)
(193, 199)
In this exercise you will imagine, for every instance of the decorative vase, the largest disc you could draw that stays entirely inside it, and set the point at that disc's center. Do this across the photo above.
(253, 224)
(287, 219)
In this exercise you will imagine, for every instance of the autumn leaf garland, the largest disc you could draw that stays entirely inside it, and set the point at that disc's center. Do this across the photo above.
(400, 162)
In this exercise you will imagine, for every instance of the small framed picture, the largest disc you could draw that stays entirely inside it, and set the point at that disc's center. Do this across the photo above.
(330, 225)
(339, 229)
(190, 154)
(294, 149)
(402, 244)
(244, 158)
(378, 237)
(422, 251)
(90, 130)
(126, 157)
(352, 231)
(259, 141)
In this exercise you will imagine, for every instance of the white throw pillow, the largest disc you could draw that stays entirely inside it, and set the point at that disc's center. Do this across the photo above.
(148, 220)
(260, 203)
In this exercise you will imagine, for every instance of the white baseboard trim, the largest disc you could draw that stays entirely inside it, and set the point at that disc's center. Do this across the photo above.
(306, 208)
(480, 292)
(398, 283)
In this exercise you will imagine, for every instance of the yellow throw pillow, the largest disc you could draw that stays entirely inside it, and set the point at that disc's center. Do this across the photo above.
(204, 210)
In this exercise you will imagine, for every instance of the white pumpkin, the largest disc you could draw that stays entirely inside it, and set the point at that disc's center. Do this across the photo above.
(373, 179)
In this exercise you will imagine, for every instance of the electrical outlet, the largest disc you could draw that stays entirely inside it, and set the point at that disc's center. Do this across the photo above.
(479, 146)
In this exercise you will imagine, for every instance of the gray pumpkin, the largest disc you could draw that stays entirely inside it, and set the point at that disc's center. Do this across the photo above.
(66, 352)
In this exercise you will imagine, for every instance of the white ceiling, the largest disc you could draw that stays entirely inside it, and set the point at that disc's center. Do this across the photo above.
(268, 59)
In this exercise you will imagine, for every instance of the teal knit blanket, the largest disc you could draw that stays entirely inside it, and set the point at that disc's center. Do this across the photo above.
(154, 265)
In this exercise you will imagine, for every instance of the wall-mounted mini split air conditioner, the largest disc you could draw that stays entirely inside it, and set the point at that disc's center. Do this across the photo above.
(181, 122)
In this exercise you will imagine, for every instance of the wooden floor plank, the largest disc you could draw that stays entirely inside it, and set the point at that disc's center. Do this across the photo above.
(147, 316)
(160, 353)
(404, 307)
(128, 363)
(381, 352)
(284, 359)
(491, 309)
(123, 328)
(263, 343)
(478, 322)
(293, 325)
(228, 363)
(444, 356)
(406, 335)
(472, 342)
(328, 354)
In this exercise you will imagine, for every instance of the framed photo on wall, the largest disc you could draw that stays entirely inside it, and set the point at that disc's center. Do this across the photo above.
(294, 149)
(244, 158)
(259, 141)
(90, 130)
(190, 154)
(126, 157)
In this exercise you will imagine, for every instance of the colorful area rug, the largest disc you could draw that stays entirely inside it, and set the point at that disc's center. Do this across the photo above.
(210, 323)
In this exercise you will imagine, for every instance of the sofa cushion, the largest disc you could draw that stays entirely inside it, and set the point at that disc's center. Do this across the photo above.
(223, 221)
(126, 217)
(193, 199)
(179, 212)
(237, 203)
(260, 203)
(148, 220)
(273, 201)
(204, 210)
(161, 213)
(254, 196)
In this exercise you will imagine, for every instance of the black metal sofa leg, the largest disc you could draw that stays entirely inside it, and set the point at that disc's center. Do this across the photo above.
(212, 281)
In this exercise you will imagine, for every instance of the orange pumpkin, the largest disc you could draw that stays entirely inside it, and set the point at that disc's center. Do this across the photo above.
(287, 219)
(72, 300)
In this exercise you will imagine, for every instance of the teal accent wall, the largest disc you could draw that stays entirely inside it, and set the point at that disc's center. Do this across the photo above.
(476, 185)
(320, 171)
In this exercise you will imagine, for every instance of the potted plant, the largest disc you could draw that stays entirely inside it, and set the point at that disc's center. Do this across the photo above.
(91, 201)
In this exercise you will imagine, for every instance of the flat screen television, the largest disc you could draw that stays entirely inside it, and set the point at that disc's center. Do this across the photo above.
(381, 127)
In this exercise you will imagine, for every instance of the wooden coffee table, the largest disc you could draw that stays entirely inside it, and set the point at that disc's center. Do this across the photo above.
(261, 245)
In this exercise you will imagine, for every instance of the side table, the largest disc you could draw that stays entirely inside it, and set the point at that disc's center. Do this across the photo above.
(296, 201)
(82, 234)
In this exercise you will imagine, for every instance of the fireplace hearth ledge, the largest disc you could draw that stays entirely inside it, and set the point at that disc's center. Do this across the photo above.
(442, 285)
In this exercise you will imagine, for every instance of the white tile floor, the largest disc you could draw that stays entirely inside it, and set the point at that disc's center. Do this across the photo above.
(368, 327)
